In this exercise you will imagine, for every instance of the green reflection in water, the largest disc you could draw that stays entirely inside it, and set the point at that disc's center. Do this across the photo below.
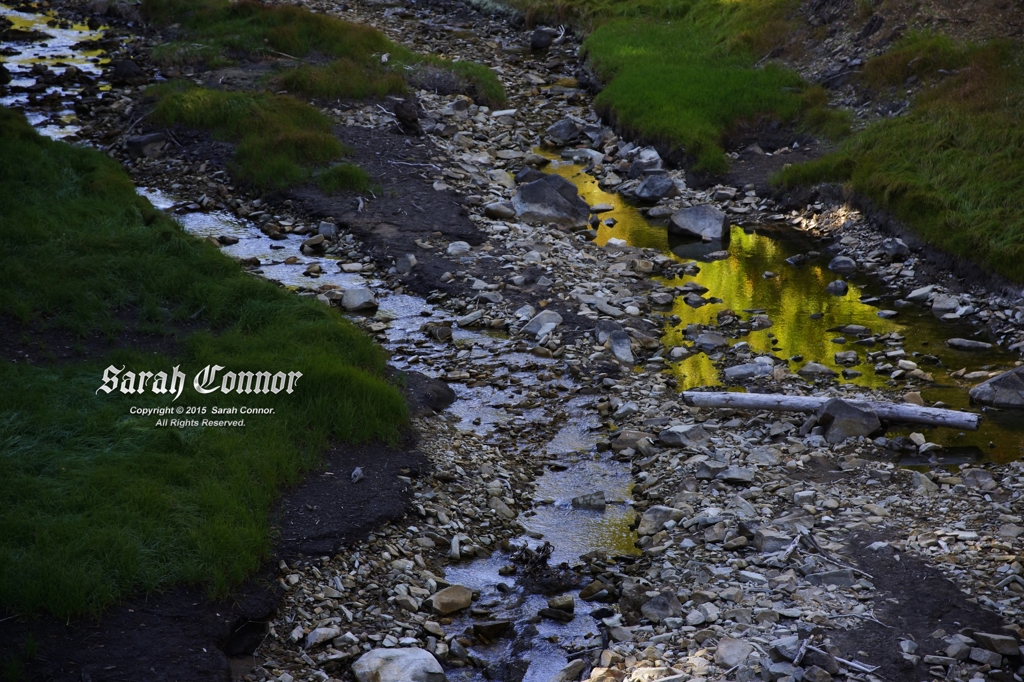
(790, 299)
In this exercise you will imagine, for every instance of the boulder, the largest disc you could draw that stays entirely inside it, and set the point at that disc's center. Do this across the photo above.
(565, 131)
(358, 299)
(619, 344)
(700, 222)
(127, 72)
(837, 288)
(769, 541)
(656, 517)
(542, 320)
(1005, 390)
(683, 435)
(732, 652)
(709, 341)
(646, 161)
(895, 248)
(736, 475)
(500, 210)
(570, 672)
(1001, 644)
(816, 370)
(943, 304)
(552, 199)
(920, 295)
(656, 187)
(846, 421)
(541, 39)
(148, 146)
(665, 605)
(398, 665)
(968, 344)
(844, 265)
(451, 599)
(595, 500)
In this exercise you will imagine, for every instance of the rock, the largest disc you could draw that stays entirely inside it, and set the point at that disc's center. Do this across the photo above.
(127, 72)
(500, 210)
(768, 541)
(541, 320)
(986, 657)
(398, 665)
(846, 421)
(968, 344)
(816, 674)
(665, 605)
(1002, 644)
(943, 304)
(816, 370)
(683, 435)
(896, 248)
(565, 602)
(470, 319)
(541, 39)
(595, 500)
(556, 614)
(747, 371)
(709, 341)
(405, 264)
(656, 187)
(318, 635)
(552, 199)
(1005, 390)
(736, 475)
(704, 222)
(843, 577)
(490, 630)
(358, 299)
(564, 132)
(922, 485)
(837, 288)
(528, 175)
(732, 652)
(570, 672)
(920, 295)
(978, 479)
(847, 357)
(458, 249)
(777, 671)
(451, 599)
(148, 146)
(654, 519)
(844, 265)
(620, 346)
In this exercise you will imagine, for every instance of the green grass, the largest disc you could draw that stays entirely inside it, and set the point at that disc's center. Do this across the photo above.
(99, 503)
(951, 169)
(692, 80)
(344, 176)
(279, 138)
(216, 32)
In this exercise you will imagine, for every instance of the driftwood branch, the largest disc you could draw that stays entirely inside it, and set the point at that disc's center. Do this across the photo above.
(897, 412)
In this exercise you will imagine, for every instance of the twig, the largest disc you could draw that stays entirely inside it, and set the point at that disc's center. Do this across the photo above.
(577, 654)
(283, 54)
(828, 557)
(17, 615)
(859, 667)
(792, 547)
(801, 651)
(415, 165)
(861, 615)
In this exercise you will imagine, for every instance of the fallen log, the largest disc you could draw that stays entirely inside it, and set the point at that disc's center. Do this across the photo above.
(895, 412)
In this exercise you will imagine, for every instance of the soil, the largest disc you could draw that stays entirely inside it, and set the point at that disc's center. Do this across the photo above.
(915, 601)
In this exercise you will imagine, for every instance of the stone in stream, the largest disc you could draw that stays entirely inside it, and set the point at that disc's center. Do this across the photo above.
(1005, 390)
(750, 370)
(846, 421)
(844, 265)
(700, 222)
(358, 299)
(451, 599)
(656, 187)
(595, 500)
(968, 344)
(943, 304)
(816, 370)
(665, 605)
(542, 320)
(837, 288)
(564, 131)
(709, 341)
(556, 614)
(398, 665)
(564, 602)
(619, 344)
(847, 357)
(552, 199)
(491, 630)
(920, 295)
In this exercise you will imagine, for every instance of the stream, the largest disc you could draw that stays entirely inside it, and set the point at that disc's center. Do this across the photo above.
(794, 299)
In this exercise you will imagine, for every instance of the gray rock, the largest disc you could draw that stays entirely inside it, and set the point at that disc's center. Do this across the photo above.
(843, 577)
(647, 160)
(1005, 390)
(816, 370)
(920, 295)
(922, 485)
(732, 652)
(149, 146)
(656, 517)
(986, 657)
(846, 421)
(1002, 644)
(816, 674)
(786, 648)
(542, 38)
(683, 435)
(127, 72)
(847, 357)
(709, 469)
(318, 635)
(470, 319)
(844, 265)
(656, 187)
(979, 479)
(747, 371)
(736, 475)
(777, 671)
(768, 541)
(943, 304)
(541, 320)
(896, 248)
(500, 210)
(570, 672)
(968, 344)
(398, 665)
(328, 230)
(595, 500)
(704, 222)
(552, 199)
(358, 299)
(665, 605)
(564, 132)
(405, 264)
(709, 341)
(619, 344)
(837, 288)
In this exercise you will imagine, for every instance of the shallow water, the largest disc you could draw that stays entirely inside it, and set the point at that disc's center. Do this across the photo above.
(790, 299)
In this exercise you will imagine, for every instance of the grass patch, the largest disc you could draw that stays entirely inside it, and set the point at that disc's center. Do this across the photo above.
(923, 55)
(344, 176)
(691, 80)
(99, 503)
(218, 31)
(951, 168)
(279, 138)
